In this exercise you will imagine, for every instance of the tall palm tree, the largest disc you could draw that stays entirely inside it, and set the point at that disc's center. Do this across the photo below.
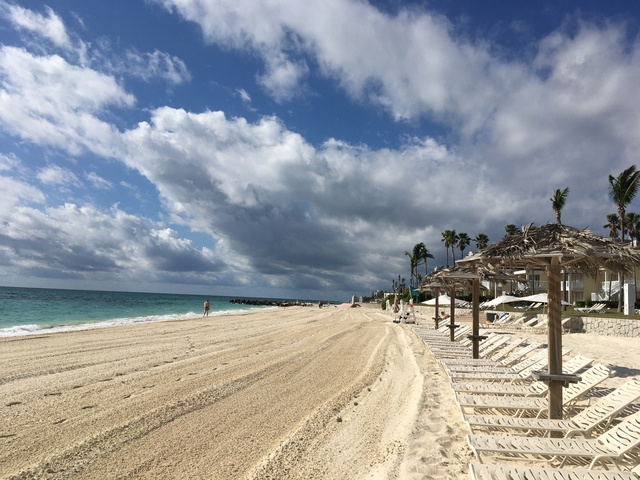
(622, 190)
(482, 241)
(510, 229)
(413, 263)
(632, 222)
(424, 255)
(463, 242)
(613, 224)
(558, 202)
(446, 238)
(453, 242)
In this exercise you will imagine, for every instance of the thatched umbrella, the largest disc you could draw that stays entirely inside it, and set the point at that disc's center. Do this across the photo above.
(554, 246)
(435, 285)
(470, 276)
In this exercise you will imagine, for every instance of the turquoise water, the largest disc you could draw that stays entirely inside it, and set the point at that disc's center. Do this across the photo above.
(37, 310)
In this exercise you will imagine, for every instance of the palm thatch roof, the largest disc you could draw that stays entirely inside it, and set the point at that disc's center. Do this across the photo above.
(462, 276)
(579, 249)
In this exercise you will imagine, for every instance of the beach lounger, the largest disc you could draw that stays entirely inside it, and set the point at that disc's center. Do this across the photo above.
(487, 347)
(573, 365)
(504, 366)
(600, 413)
(463, 346)
(596, 307)
(504, 356)
(533, 306)
(574, 392)
(534, 389)
(538, 360)
(478, 471)
(606, 448)
(541, 326)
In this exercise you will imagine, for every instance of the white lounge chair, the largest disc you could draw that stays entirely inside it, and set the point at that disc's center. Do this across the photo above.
(503, 357)
(601, 412)
(573, 365)
(487, 347)
(574, 392)
(596, 307)
(478, 471)
(608, 447)
(497, 367)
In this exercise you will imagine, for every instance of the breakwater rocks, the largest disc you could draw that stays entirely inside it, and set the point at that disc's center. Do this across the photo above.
(268, 302)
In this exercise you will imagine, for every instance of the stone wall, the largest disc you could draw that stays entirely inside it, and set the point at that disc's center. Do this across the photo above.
(612, 327)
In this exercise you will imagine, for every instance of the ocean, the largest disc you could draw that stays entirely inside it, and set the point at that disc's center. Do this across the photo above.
(25, 311)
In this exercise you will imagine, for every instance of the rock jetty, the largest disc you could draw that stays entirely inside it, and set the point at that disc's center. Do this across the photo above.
(268, 302)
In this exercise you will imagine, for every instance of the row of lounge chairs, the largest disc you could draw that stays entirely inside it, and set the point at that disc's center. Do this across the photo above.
(505, 411)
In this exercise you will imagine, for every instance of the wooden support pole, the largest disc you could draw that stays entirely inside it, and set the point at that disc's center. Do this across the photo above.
(555, 338)
(475, 330)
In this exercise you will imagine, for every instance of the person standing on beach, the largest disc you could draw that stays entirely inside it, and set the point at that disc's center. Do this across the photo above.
(206, 308)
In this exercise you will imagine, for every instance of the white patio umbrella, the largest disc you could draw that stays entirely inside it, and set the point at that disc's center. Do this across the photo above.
(445, 300)
(502, 299)
(541, 298)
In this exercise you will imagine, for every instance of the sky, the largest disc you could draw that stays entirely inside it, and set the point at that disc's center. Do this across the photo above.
(297, 149)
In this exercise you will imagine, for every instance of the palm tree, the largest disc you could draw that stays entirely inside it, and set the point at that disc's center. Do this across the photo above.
(424, 255)
(482, 241)
(558, 201)
(632, 222)
(453, 241)
(622, 190)
(511, 229)
(446, 238)
(463, 242)
(413, 263)
(417, 256)
(613, 224)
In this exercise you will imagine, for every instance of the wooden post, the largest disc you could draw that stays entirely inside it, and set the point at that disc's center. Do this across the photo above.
(437, 317)
(555, 338)
(475, 325)
(452, 312)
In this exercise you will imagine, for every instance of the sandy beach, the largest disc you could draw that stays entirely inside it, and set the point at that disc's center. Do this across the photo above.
(288, 393)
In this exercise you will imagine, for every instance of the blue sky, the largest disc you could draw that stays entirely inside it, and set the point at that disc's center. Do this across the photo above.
(297, 149)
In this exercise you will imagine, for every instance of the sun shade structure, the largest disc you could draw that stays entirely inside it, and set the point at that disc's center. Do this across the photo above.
(553, 247)
(460, 277)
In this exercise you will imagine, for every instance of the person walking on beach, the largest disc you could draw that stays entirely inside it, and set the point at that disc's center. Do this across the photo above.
(206, 308)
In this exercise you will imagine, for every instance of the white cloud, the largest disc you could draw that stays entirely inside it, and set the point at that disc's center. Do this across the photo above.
(50, 102)
(246, 98)
(98, 182)
(16, 192)
(156, 65)
(49, 26)
(85, 242)
(55, 175)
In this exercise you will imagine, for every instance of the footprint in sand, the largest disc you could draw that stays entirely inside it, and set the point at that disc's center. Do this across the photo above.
(59, 421)
(52, 394)
(11, 404)
(7, 435)
(88, 407)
